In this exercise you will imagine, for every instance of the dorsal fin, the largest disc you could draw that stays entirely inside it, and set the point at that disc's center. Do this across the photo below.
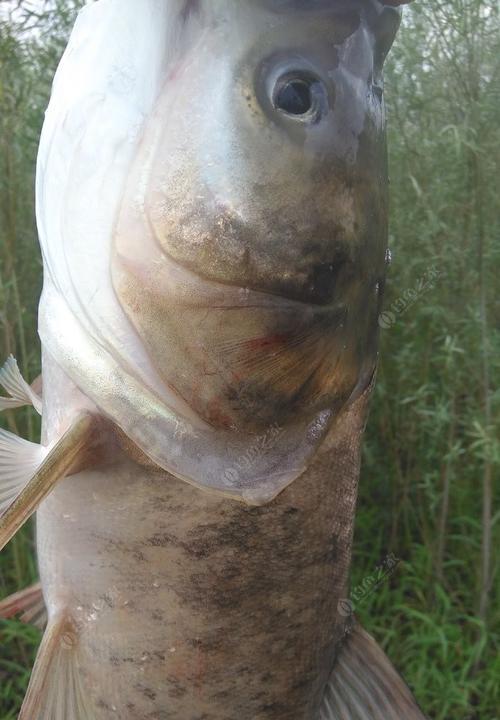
(365, 686)
(15, 385)
(55, 691)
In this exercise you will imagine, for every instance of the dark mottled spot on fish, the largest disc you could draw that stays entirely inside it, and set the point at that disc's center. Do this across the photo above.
(102, 704)
(274, 710)
(175, 688)
(161, 540)
(107, 600)
(331, 552)
(148, 692)
(161, 715)
(200, 549)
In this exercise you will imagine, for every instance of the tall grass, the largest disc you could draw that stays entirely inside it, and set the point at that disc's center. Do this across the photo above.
(432, 449)
(432, 452)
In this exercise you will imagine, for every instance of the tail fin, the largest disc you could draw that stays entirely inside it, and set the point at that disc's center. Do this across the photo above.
(365, 686)
(16, 386)
(55, 691)
(28, 605)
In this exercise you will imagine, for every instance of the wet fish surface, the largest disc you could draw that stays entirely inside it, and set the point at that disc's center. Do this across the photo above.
(212, 210)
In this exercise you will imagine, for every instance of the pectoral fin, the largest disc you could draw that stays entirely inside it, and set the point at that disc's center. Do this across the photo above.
(55, 691)
(365, 686)
(17, 388)
(19, 461)
(28, 472)
(28, 605)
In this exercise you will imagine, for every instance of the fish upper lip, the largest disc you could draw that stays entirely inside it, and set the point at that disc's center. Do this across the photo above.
(233, 295)
(314, 308)
(279, 296)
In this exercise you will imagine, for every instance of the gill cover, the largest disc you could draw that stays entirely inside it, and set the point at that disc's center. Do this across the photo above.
(110, 93)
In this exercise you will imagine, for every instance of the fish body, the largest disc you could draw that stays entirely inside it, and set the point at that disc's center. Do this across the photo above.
(212, 208)
(191, 605)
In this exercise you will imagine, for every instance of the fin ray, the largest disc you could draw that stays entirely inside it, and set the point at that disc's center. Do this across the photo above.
(19, 460)
(38, 470)
(55, 691)
(365, 686)
(28, 605)
(15, 385)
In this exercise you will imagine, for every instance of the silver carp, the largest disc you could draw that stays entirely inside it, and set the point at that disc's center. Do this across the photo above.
(212, 210)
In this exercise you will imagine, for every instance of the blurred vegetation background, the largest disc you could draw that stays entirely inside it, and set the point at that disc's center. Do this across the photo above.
(432, 452)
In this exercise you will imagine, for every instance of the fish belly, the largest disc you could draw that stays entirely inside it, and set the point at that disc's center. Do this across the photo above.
(191, 606)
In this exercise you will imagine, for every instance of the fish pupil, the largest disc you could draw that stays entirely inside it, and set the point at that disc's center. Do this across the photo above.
(294, 97)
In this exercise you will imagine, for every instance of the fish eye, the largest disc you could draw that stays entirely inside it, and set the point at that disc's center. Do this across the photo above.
(300, 95)
(294, 97)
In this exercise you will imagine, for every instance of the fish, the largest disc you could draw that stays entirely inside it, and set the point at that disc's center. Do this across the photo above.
(212, 210)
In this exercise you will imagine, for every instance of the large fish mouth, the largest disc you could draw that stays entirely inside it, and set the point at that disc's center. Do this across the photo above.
(243, 359)
(279, 253)
(314, 280)
(309, 251)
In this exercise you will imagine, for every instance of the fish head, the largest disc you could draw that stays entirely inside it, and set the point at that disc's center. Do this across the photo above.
(212, 213)
(250, 246)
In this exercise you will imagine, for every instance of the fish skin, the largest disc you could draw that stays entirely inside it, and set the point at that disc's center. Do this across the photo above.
(189, 605)
(171, 592)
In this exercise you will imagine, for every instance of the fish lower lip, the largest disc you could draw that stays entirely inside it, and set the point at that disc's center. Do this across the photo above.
(308, 281)
(190, 288)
